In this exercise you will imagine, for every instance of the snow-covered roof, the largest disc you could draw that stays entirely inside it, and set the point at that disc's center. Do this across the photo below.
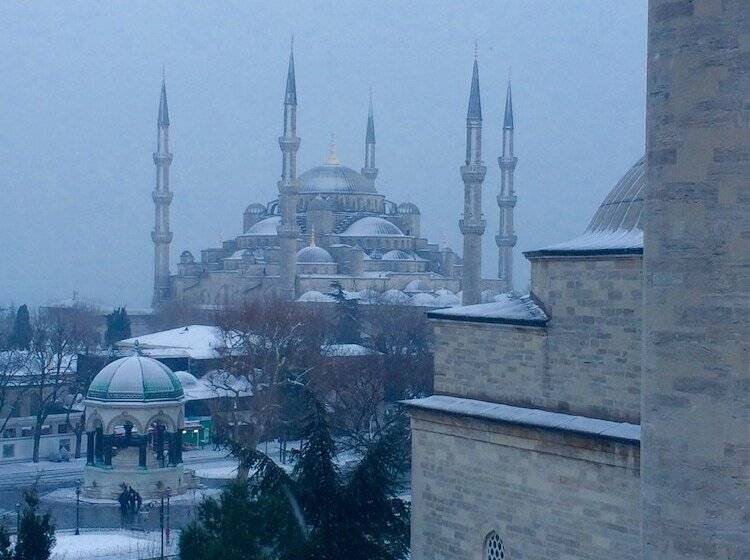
(316, 296)
(197, 342)
(372, 226)
(314, 254)
(507, 308)
(213, 385)
(135, 378)
(528, 417)
(345, 350)
(395, 297)
(616, 226)
(423, 299)
(398, 255)
(267, 226)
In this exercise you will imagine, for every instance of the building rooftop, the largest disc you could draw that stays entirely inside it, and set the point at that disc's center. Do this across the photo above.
(507, 308)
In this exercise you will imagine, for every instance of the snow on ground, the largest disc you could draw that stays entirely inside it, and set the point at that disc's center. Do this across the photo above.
(115, 544)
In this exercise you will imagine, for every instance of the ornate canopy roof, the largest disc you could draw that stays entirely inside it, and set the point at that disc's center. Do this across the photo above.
(137, 379)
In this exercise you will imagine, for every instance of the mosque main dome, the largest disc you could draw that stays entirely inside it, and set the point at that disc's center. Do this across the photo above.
(333, 177)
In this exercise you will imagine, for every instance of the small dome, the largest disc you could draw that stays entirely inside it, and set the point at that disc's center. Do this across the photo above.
(408, 208)
(334, 178)
(397, 255)
(186, 379)
(314, 254)
(423, 300)
(315, 296)
(395, 297)
(186, 257)
(417, 286)
(265, 227)
(135, 378)
(318, 203)
(255, 208)
(372, 226)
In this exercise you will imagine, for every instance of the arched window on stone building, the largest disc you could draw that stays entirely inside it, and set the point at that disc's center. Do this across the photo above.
(493, 547)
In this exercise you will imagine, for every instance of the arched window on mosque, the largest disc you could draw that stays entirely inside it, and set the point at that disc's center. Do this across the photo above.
(493, 547)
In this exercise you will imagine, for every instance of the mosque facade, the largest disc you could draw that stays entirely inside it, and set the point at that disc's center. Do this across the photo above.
(330, 225)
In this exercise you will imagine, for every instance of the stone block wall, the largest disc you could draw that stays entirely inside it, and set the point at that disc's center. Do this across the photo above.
(548, 494)
(586, 361)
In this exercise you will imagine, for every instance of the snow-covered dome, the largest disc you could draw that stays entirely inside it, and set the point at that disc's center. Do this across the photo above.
(255, 208)
(372, 226)
(408, 208)
(446, 298)
(315, 296)
(616, 225)
(396, 297)
(423, 300)
(334, 178)
(187, 379)
(265, 227)
(417, 285)
(314, 254)
(135, 378)
(397, 255)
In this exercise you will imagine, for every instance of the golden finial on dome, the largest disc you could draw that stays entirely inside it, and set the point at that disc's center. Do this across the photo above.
(332, 158)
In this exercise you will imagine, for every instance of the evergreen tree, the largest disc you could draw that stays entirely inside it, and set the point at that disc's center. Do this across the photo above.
(348, 328)
(22, 332)
(118, 326)
(319, 512)
(36, 533)
(6, 551)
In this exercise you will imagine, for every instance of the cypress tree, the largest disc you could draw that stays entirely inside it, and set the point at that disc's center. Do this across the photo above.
(118, 326)
(22, 332)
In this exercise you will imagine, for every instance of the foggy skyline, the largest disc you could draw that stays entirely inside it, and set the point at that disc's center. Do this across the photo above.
(78, 121)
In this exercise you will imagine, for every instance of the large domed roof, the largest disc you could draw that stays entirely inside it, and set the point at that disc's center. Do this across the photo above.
(135, 378)
(372, 226)
(334, 178)
(616, 225)
(265, 227)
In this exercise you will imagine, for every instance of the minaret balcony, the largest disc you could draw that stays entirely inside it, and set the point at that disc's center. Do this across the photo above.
(506, 200)
(162, 197)
(289, 143)
(472, 227)
(506, 240)
(288, 187)
(507, 164)
(161, 236)
(474, 172)
(160, 157)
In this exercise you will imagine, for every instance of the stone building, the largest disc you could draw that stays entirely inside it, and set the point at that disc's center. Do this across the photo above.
(331, 223)
(607, 413)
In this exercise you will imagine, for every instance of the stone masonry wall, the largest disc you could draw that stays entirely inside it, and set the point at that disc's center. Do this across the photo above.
(696, 355)
(586, 361)
(549, 495)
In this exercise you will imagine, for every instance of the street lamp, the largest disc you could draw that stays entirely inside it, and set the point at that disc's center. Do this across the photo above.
(169, 491)
(161, 524)
(78, 505)
(18, 517)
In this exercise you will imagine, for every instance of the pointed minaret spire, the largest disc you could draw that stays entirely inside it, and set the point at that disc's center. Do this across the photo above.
(506, 200)
(291, 85)
(472, 172)
(369, 170)
(162, 197)
(287, 230)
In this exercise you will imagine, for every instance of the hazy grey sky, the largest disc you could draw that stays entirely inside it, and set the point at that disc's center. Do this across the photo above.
(80, 86)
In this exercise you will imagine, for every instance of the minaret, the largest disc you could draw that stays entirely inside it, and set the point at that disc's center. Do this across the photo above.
(369, 170)
(162, 196)
(472, 173)
(288, 186)
(506, 200)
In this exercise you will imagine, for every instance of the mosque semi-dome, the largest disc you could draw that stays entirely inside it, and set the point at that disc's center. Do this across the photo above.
(135, 378)
(372, 226)
(265, 227)
(314, 254)
(332, 177)
(397, 255)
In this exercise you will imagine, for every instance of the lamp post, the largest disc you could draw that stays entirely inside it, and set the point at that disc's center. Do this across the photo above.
(161, 525)
(169, 492)
(78, 505)
(18, 517)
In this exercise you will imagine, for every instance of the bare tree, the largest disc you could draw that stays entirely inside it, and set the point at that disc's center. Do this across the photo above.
(13, 387)
(270, 345)
(59, 335)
